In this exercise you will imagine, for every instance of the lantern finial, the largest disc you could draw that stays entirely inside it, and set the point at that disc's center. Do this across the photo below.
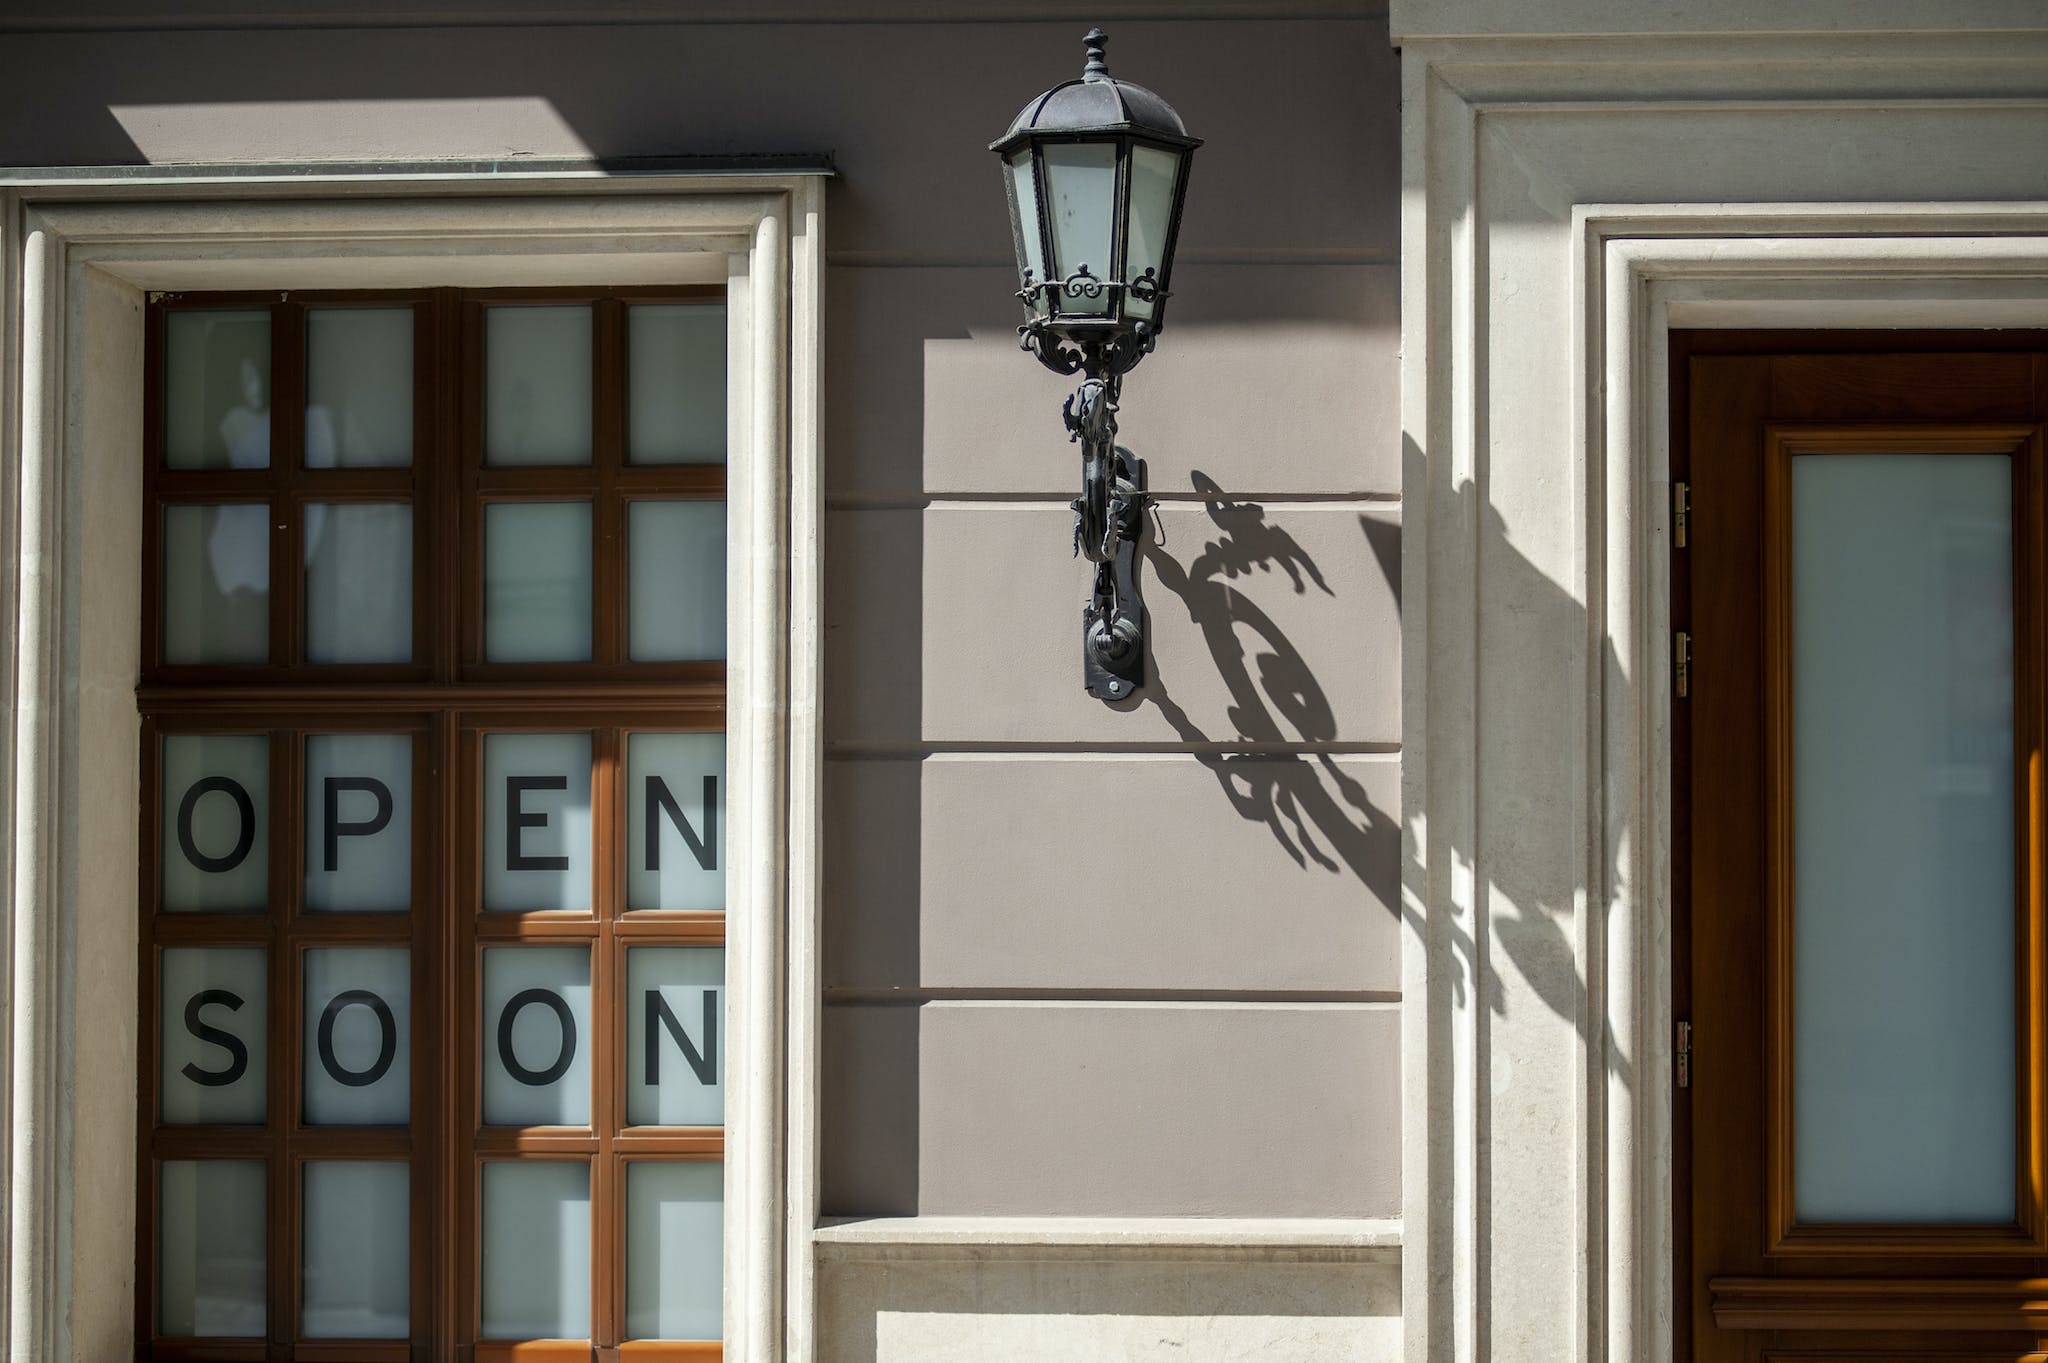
(1097, 67)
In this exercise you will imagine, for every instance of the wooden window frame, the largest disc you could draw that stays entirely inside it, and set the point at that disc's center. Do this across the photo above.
(447, 697)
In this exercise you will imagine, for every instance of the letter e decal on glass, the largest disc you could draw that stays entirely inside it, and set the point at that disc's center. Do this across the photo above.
(536, 834)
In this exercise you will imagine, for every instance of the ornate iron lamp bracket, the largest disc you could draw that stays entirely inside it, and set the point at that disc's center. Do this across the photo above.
(1108, 518)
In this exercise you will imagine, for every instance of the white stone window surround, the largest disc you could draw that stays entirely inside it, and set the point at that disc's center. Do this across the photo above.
(79, 256)
(1579, 178)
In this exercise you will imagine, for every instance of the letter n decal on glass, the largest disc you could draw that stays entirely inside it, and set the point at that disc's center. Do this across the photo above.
(675, 812)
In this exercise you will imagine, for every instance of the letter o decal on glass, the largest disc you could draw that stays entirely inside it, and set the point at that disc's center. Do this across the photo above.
(563, 1058)
(387, 1045)
(245, 812)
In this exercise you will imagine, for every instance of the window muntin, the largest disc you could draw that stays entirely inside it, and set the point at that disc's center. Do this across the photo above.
(359, 925)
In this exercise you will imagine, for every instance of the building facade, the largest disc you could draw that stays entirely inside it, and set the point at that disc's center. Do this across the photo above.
(469, 897)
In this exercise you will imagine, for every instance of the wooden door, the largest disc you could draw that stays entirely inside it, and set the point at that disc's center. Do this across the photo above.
(1858, 982)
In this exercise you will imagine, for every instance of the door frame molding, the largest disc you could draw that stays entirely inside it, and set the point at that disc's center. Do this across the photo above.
(1639, 271)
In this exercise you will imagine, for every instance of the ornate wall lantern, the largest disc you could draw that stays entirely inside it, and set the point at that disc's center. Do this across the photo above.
(1097, 170)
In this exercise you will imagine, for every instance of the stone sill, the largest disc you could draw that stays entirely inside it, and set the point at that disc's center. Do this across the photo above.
(1332, 1239)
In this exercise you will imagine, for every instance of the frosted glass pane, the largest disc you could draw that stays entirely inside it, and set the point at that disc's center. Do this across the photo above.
(675, 792)
(536, 1251)
(675, 1036)
(537, 582)
(217, 390)
(676, 580)
(675, 383)
(210, 1249)
(537, 385)
(675, 1267)
(358, 582)
(536, 1036)
(358, 820)
(358, 388)
(1024, 219)
(1081, 185)
(358, 1251)
(1152, 177)
(537, 821)
(217, 584)
(216, 822)
(356, 1056)
(1903, 819)
(212, 1014)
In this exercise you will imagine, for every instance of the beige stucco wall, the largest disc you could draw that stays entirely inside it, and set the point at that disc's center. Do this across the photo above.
(1079, 962)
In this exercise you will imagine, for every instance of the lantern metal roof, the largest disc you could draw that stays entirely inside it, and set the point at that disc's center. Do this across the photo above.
(1096, 102)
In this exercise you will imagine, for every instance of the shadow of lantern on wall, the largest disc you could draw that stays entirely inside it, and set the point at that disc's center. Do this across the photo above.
(1096, 170)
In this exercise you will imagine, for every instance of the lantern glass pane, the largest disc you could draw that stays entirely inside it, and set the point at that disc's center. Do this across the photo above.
(1081, 180)
(1025, 223)
(1153, 173)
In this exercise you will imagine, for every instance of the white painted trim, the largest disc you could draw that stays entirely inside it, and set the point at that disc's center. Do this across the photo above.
(1569, 196)
(765, 234)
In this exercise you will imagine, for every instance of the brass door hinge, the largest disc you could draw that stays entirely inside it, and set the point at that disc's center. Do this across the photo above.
(1682, 1062)
(1681, 513)
(1681, 658)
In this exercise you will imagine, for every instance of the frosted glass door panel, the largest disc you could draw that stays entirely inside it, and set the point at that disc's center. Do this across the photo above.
(675, 821)
(358, 582)
(358, 388)
(676, 578)
(537, 385)
(675, 383)
(537, 821)
(216, 584)
(1081, 184)
(210, 1249)
(358, 818)
(216, 822)
(537, 582)
(675, 1266)
(217, 390)
(536, 1036)
(675, 1036)
(357, 1044)
(358, 1250)
(213, 1014)
(1153, 173)
(1903, 910)
(536, 1251)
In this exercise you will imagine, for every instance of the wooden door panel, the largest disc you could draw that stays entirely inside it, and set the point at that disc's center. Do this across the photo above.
(1743, 1295)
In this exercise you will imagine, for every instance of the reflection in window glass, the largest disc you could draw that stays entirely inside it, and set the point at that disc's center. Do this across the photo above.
(536, 1251)
(675, 1227)
(675, 383)
(358, 1259)
(358, 582)
(216, 604)
(537, 385)
(358, 388)
(676, 581)
(537, 582)
(210, 1249)
(216, 390)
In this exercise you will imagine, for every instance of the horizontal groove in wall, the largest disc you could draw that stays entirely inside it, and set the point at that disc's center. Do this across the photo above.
(759, 14)
(1333, 1239)
(1003, 997)
(855, 749)
(1039, 501)
(1229, 255)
